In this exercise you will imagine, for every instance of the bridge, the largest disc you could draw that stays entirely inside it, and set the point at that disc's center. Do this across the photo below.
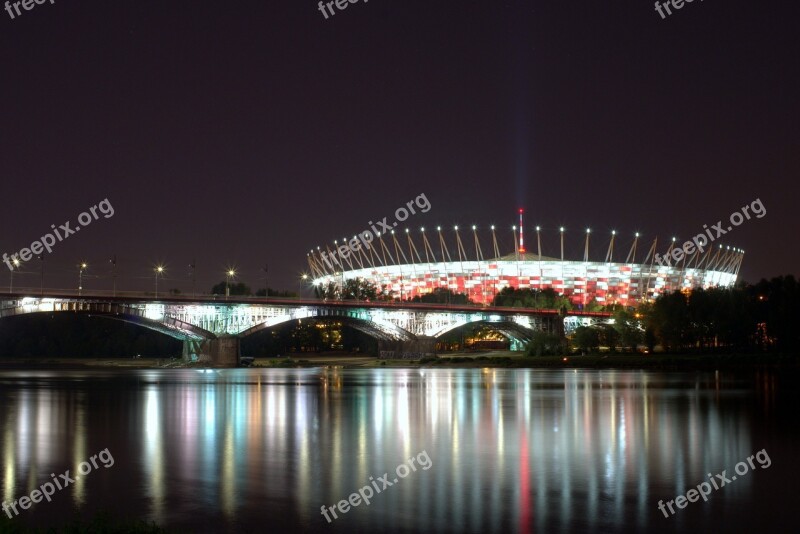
(212, 326)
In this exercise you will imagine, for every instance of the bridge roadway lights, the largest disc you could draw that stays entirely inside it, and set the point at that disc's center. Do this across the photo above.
(414, 349)
(224, 351)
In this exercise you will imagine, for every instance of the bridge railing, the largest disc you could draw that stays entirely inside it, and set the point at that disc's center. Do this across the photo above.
(208, 298)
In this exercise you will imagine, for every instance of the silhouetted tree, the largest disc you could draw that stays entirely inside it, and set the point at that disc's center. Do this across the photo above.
(275, 293)
(547, 299)
(586, 338)
(441, 295)
(629, 327)
(609, 337)
(238, 289)
(546, 344)
(354, 289)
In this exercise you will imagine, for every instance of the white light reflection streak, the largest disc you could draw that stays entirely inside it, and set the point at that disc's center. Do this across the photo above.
(23, 432)
(301, 429)
(79, 491)
(403, 422)
(228, 481)
(9, 456)
(154, 452)
(45, 426)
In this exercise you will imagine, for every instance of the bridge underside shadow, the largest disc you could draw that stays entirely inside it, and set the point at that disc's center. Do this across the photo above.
(391, 341)
(409, 346)
(517, 334)
(198, 344)
(213, 332)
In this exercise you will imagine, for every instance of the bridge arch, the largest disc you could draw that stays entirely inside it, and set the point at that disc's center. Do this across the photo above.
(382, 331)
(515, 332)
(170, 326)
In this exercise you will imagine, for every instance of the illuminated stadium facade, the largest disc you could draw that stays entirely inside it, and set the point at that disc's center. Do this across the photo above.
(408, 264)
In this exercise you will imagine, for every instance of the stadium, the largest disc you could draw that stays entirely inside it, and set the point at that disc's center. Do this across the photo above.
(407, 264)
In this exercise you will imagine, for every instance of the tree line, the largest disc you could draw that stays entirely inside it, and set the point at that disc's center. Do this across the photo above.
(240, 289)
(760, 317)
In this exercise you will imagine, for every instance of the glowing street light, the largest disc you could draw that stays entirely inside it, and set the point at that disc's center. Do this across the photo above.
(229, 276)
(15, 261)
(41, 273)
(586, 251)
(82, 267)
(159, 270)
(303, 279)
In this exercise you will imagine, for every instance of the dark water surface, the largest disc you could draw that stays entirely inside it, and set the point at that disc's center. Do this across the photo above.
(500, 450)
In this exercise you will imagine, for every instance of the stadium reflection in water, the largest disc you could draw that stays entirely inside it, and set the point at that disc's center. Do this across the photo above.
(512, 450)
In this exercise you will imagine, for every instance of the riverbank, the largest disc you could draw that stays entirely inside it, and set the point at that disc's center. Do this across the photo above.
(498, 359)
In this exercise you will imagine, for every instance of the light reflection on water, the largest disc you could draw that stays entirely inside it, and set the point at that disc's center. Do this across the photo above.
(511, 450)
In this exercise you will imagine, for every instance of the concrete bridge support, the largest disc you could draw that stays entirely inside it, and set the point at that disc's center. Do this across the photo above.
(224, 351)
(423, 346)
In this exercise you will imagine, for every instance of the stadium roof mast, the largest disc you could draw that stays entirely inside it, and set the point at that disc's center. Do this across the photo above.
(521, 242)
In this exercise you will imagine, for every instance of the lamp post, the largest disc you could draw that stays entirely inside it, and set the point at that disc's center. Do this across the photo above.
(497, 270)
(193, 267)
(563, 285)
(82, 267)
(539, 250)
(586, 250)
(15, 261)
(341, 262)
(303, 279)
(230, 274)
(158, 271)
(586, 268)
(113, 262)
(669, 253)
(41, 279)
(266, 280)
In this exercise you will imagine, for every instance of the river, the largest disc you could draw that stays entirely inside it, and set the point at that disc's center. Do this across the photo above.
(432, 450)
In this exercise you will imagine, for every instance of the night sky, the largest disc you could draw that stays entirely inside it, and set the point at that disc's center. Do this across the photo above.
(244, 133)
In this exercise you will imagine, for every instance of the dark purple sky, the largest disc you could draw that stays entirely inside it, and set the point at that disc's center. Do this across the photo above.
(248, 132)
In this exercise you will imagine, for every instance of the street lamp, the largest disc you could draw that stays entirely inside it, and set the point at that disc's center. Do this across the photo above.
(586, 250)
(193, 267)
(230, 274)
(82, 267)
(496, 276)
(158, 271)
(15, 261)
(41, 279)
(303, 279)
(266, 280)
(113, 262)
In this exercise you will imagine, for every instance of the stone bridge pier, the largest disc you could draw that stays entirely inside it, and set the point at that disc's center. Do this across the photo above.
(224, 351)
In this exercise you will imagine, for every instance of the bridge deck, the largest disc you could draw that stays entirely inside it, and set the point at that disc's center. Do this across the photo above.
(138, 297)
